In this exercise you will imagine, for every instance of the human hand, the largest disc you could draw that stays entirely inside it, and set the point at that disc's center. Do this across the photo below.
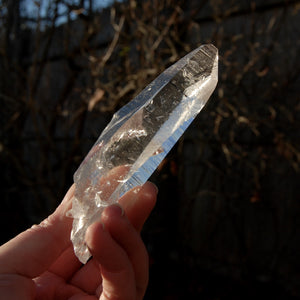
(40, 263)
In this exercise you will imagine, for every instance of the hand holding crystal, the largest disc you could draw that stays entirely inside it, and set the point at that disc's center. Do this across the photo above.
(40, 263)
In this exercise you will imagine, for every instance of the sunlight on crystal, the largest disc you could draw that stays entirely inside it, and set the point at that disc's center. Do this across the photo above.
(139, 136)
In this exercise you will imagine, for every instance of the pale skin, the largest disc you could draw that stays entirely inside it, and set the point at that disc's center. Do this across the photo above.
(40, 263)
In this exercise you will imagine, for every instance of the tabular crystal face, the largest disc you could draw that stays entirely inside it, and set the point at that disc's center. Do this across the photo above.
(139, 136)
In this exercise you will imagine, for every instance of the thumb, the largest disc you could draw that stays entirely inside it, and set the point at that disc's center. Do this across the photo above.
(34, 250)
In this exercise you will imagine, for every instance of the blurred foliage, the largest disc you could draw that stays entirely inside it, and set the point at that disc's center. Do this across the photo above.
(229, 200)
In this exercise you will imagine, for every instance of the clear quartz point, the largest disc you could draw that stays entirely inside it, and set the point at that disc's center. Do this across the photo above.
(139, 136)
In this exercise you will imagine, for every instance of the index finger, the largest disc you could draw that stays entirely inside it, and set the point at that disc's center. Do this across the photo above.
(138, 204)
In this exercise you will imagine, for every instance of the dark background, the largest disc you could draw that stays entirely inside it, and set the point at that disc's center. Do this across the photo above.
(226, 225)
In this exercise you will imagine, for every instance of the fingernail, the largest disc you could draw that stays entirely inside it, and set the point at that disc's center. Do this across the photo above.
(103, 226)
(118, 209)
(155, 187)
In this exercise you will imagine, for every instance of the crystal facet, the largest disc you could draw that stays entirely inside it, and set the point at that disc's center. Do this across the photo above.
(139, 136)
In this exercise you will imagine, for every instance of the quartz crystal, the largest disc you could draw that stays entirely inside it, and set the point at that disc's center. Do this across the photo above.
(139, 136)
